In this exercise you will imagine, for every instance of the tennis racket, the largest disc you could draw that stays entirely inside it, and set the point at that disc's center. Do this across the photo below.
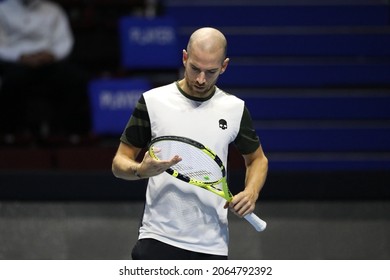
(199, 166)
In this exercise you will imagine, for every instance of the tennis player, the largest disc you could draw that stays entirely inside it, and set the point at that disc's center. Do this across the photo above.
(190, 223)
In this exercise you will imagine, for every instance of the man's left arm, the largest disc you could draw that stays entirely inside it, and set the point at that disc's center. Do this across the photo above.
(256, 164)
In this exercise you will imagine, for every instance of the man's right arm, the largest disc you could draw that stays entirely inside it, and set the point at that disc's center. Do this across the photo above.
(125, 166)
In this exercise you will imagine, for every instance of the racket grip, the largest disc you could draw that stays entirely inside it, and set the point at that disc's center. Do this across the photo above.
(256, 222)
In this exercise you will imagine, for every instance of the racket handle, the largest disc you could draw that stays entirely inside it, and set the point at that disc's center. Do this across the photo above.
(256, 222)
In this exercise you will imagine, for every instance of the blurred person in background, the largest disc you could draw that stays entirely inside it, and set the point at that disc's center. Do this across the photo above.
(41, 92)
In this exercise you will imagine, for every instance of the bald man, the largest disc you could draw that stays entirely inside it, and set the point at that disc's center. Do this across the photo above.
(179, 221)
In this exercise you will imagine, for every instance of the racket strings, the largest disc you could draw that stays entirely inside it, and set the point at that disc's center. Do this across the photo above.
(195, 163)
(195, 174)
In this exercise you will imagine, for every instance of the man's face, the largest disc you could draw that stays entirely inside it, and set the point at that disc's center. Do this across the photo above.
(202, 70)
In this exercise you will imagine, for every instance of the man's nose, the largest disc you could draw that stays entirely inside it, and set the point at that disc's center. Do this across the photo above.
(201, 79)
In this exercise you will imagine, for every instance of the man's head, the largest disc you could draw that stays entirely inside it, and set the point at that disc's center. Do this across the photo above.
(204, 60)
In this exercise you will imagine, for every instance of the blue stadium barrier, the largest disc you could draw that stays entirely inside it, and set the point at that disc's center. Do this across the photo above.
(305, 75)
(325, 139)
(308, 44)
(285, 15)
(149, 43)
(337, 46)
(112, 102)
(323, 107)
(330, 163)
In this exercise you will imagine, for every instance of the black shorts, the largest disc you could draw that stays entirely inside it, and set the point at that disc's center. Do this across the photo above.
(151, 249)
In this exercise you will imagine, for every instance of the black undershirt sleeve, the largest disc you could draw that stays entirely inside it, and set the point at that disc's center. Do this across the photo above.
(247, 140)
(137, 131)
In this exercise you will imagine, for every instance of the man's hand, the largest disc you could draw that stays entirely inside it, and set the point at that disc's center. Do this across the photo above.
(151, 167)
(37, 59)
(243, 203)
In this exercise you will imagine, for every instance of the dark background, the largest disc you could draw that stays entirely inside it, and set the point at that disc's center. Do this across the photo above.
(316, 78)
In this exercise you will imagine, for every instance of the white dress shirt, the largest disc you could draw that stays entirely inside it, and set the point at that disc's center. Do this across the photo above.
(29, 26)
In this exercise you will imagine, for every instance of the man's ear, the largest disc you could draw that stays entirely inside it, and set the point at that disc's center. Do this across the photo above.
(224, 65)
(185, 57)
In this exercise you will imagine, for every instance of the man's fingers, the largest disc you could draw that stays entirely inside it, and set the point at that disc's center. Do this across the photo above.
(176, 159)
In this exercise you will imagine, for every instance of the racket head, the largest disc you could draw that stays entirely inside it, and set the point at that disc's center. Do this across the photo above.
(200, 166)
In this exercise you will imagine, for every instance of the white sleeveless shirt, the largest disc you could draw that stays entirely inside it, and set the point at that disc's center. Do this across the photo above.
(176, 212)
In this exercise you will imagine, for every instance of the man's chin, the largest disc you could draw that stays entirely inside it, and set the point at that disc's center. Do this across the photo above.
(200, 90)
